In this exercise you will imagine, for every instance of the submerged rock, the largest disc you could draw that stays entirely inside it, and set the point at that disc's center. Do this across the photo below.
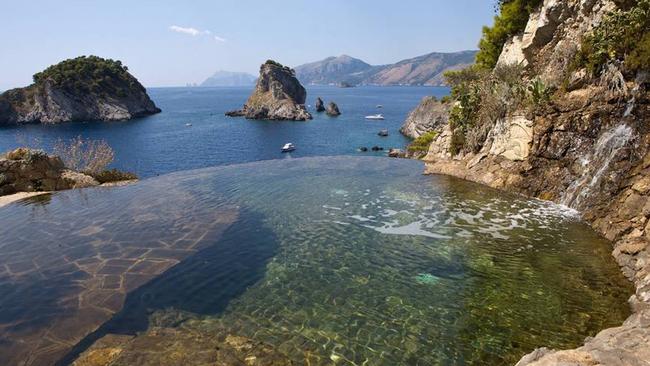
(320, 106)
(278, 95)
(178, 346)
(80, 89)
(332, 110)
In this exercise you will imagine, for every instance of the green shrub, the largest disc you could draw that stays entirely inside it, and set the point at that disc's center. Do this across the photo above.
(86, 74)
(539, 93)
(482, 97)
(113, 175)
(623, 35)
(511, 20)
(422, 143)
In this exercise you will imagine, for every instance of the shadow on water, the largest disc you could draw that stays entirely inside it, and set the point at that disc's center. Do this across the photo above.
(203, 284)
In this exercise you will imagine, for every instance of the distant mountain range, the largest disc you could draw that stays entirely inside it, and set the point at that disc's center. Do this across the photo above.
(228, 78)
(423, 70)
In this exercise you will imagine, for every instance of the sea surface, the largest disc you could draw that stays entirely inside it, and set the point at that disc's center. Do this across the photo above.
(321, 261)
(162, 143)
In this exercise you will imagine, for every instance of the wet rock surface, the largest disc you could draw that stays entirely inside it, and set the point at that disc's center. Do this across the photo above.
(178, 346)
(278, 95)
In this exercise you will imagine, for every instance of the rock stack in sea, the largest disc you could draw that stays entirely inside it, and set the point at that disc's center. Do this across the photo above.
(320, 106)
(278, 95)
(332, 110)
(81, 89)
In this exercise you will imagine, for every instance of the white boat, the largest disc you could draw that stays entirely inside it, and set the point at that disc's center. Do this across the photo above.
(188, 125)
(288, 147)
(376, 117)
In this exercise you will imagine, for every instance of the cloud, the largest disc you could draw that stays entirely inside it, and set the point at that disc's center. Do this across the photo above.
(195, 32)
(191, 31)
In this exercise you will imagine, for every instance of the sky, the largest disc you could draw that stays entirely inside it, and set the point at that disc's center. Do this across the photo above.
(172, 43)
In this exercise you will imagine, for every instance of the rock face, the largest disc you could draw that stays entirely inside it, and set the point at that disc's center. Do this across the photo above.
(588, 149)
(25, 170)
(81, 89)
(320, 106)
(278, 95)
(429, 115)
(332, 110)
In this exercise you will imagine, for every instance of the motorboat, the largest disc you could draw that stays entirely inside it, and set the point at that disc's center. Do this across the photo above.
(288, 147)
(375, 117)
(383, 133)
(188, 125)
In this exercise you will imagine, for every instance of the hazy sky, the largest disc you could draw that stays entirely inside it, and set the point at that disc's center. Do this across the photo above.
(168, 43)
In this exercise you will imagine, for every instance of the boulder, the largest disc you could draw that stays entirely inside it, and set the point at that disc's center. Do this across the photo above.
(332, 110)
(278, 95)
(28, 170)
(320, 106)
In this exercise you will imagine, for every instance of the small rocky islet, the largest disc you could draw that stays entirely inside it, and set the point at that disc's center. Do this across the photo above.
(86, 88)
(278, 95)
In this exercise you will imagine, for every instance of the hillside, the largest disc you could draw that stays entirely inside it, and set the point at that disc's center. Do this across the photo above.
(85, 88)
(423, 70)
(229, 78)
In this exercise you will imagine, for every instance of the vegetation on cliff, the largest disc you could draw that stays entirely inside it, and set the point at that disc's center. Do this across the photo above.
(89, 74)
(422, 143)
(483, 97)
(623, 36)
(512, 18)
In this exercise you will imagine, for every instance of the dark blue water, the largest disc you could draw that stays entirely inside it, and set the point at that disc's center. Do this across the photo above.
(163, 143)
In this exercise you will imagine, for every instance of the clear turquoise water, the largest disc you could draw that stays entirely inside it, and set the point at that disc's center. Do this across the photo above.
(162, 143)
(329, 260)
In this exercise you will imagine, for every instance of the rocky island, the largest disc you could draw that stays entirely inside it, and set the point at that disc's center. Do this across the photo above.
(278, 95)
(80, 89)
(557, 107)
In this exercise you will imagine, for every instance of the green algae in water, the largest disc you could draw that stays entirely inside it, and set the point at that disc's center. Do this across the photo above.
(375, 264)
(426, 279)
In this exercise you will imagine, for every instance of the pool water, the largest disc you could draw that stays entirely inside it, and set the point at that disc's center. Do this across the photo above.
(324, 260)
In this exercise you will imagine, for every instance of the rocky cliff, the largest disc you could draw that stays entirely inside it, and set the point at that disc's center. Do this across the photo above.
(278, 95)
(422, 70)
(80, 89)
(561, 120)
(430, 115)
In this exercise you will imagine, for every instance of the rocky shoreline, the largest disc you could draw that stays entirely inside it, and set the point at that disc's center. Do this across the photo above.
(586, 148)
(26, 173)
